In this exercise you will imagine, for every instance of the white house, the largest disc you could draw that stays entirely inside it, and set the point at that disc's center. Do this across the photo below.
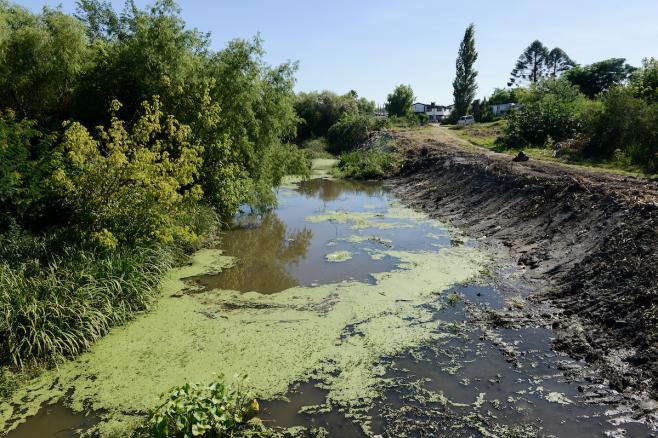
(502, 108)
(434, 112)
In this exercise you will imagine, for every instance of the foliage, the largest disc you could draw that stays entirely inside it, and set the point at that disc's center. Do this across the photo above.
(56, 302)
(367, 164)
(551, 113)
(42, 59)
(482, 110)
(319, 111)
(464, 85)
(198, 410)
(349, 132)
(59, 68)
(316, 148)
(398, 103)
(600, 76)
(644, 81)
(128, 187)
(624, 125)
(508, 95)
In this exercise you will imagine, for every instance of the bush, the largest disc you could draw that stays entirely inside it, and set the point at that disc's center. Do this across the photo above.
(552, 113)
(349, 132)
(624, 125)
(367, 164)
(196, 410)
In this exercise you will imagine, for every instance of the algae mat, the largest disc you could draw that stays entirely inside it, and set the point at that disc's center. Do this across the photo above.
(333, 333)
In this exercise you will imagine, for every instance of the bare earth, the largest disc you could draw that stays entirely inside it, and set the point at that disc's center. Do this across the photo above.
(585, 239)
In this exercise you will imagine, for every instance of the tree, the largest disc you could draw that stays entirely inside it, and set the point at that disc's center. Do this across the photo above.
(319, 111)
(531, 65)
(464, 85)
(557, 62)
(482, 110)
(600, 76)
(398, 103)
(644, 81)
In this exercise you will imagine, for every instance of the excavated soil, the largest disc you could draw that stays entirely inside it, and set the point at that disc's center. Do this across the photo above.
(586, 242)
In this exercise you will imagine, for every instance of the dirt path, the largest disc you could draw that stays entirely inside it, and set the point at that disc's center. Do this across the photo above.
(586, 239)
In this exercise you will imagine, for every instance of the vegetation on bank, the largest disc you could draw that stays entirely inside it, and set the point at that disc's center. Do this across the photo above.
(125, 143)
(367, 164)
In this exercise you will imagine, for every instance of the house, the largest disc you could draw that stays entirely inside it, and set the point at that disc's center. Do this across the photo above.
(502, 108)
(435, 113)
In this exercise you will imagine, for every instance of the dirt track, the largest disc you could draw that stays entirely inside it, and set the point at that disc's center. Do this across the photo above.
(586, 240)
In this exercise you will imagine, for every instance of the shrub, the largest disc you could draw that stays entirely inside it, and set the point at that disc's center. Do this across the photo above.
(367, 164)
(128, 187)
(197, 410)
(349, 132)
(624, 125)
(552, 113)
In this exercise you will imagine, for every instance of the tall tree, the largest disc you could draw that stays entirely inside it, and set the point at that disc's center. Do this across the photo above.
(399, 102)
(531, 65)
(464, 85)
(557, 62)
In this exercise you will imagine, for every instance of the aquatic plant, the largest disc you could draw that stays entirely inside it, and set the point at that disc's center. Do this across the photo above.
(205, 410)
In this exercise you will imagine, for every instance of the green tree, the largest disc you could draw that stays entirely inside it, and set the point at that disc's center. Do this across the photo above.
(531, 65)
(644, 81)
(600, 76)
(557, 62)
(319, 111)
(398, 103)
(43, 56)
(464, 85)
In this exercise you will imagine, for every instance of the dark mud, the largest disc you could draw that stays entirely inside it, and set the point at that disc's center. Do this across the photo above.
(587, 242)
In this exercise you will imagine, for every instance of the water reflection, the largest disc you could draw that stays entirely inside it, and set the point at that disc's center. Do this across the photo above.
(330, 190)
(263, 247)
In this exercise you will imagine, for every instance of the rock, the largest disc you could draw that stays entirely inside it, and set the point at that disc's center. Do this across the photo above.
(521, 156)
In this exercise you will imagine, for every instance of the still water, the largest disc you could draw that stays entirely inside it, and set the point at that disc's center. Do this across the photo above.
(327, 231)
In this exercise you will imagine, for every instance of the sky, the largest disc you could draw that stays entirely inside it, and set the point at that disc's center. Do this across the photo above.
(373, 45)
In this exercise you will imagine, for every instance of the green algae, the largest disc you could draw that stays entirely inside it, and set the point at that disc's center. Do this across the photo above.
(299, 334)
(338, 256)
(356, 239)
(358, 219)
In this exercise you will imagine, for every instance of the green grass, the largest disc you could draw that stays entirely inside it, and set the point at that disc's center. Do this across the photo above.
(56, 305)
(370, 164)
(316, 148)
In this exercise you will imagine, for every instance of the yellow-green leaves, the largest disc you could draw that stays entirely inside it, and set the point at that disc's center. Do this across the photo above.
(128, 186)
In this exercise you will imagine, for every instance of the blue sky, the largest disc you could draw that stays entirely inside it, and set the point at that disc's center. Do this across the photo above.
(371, 46)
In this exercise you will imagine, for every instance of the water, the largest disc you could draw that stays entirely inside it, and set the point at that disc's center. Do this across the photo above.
(503, 381)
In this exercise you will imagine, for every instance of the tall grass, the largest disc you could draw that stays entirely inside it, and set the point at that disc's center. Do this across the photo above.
(56, 305)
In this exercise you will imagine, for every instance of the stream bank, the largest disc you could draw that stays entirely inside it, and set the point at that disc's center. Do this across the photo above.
(586, 242)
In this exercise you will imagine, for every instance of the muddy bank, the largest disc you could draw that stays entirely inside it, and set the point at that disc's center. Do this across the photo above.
(587, 242)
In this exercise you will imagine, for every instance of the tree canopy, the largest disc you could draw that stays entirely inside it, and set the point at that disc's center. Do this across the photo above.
(537, 62)
(398, 103)
(600, 76)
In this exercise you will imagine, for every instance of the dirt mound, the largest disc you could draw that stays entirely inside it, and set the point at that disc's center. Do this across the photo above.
(587, 240)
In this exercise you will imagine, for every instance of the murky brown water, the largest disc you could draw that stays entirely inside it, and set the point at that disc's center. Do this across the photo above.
(485, 388)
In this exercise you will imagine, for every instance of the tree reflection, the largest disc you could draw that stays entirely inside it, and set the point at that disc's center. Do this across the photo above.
(330, 190)
(263, 250)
